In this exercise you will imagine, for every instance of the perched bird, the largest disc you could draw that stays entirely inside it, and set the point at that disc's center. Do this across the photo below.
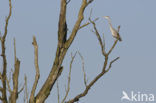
(114, 32)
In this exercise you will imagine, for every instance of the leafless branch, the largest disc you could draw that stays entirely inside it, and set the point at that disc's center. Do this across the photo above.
(21, 89)
(1, 89)
(103, 41)
(85, 3)
(110, 64)
(83, 69)
(106, 55)
(86, 24)
(58, 92)
(99, 37)
(62, 48)
(8, 84)
(37, 76)
(4, 95)
(67, 2)
(14, 92)
(69, 77)
(115, 42)
(76, 98)
(25, 90)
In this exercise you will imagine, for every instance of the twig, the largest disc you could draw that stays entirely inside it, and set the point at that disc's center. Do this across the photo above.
(8, 84)
(69, 77)
(14, 93)
(104, 41)
(4, 72)
(86, 24)
(37, 76)
(115, 42)
(110, 64)
(56, 69)
(99, 37)
(78, 22)
(83, 69)
(21, 89)
(58, 94)
(25, 90)
(68, 1)
(106, 55)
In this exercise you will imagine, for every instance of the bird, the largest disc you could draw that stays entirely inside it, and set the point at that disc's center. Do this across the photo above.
(114, 32)
(125, 96)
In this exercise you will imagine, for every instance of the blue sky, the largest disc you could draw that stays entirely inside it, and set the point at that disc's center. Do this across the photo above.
(134, 71)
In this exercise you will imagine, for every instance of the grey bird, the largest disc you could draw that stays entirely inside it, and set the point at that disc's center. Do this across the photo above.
(114, 32)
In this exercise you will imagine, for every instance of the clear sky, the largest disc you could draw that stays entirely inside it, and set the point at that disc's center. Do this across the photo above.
(134, 71)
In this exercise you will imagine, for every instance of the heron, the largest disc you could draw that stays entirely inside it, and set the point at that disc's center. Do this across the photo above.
(114, 32)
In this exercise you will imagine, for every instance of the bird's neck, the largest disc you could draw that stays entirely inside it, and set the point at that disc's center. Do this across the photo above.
(109, 21)
(111, 27)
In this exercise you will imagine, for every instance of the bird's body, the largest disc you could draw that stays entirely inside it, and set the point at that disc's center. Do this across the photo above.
(114, 32)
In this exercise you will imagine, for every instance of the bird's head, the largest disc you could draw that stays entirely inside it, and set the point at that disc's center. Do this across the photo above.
(107, 17)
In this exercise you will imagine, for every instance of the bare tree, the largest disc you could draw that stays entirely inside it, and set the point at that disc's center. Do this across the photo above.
(62, 47)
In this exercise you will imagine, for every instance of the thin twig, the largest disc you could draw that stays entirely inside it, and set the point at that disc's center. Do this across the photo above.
(110, 64)
(4, 72)
(83, 69)
(37, 76)
(69, 77)
(115, 42)
(58, 92)
(14, 93)
(21, 89)
(78, 22)
(104, 41)
(8, 84)
(68, 1)
(86, 24)
(106, 55)
(99, 37)
(25, 90)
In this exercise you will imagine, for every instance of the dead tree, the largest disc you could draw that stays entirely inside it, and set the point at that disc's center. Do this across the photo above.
(62, 47)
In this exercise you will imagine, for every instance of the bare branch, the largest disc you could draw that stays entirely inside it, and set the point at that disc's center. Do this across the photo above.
(102, 44)
(57, 67)
(119, 28)
(25, 90)
(1, 89)
(8, 84)
(78, 22)
(58, 94)
(67, 2)
(110, 64)
(98, 36)
(37, 76)
(14, 92)
(4, 95)
(62, 27)
(76, 98)
(86, 24)
(21, 89)
(83, 69)
(69, 77)
(115, 42)
(103, 41)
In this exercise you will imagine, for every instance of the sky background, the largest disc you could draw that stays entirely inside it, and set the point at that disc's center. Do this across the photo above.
(134, 71)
